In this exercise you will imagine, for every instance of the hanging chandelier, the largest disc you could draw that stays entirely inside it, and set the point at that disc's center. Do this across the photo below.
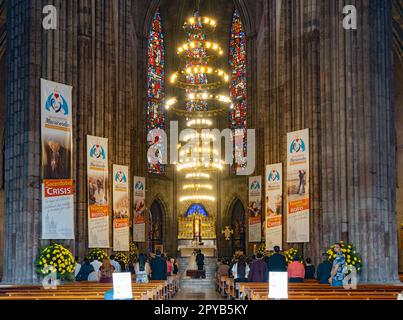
(199, 77)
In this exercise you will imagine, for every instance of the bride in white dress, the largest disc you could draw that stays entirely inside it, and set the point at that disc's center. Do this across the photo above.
(192, 262)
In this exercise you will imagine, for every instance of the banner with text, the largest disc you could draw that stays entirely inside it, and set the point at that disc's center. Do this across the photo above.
(274, 205)
(139, 225)
(57, 144)
(298, 186)
(255, 209)
(121, 208)
(98, 208)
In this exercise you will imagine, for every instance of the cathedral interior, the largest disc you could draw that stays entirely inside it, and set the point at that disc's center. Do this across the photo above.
(291, 66)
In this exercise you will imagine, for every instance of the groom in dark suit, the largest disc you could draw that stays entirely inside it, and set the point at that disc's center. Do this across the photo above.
(200, 260)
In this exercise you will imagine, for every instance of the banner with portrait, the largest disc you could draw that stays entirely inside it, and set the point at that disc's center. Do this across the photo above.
(121, 208)
(298, 186)
(274, 205)
(255, 209)
(98, 208)
(57, 144)
(139, 204)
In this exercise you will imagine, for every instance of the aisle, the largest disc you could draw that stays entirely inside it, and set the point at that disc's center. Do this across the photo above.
(198, 289)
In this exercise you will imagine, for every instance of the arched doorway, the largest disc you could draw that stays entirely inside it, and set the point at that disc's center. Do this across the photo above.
(238, 224)
(156, 225)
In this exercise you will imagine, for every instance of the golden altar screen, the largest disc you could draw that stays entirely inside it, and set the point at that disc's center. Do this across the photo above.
(189, 226)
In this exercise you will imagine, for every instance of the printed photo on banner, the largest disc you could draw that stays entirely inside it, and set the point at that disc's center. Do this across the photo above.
(139, 198)
(57, 144)
(274, 205)
(121, 207)
(255, 209)
(298, 186)
(98, 207)
(57, 140)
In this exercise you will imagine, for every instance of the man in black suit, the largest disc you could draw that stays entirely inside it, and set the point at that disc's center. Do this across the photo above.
(277, 262)
(200, 260)
(158, 267)
(58, 160)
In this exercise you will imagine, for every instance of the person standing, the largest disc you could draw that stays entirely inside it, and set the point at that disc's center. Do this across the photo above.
(324, 270)
(200, 260)
(142, 269)
(337, 275)
(296, 271)
(309, 269)
(277, 262)
(258, 270)
(240, 272)
(158, 267)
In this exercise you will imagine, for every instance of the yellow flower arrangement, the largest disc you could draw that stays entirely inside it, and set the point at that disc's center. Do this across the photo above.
(121, 256)
(60, 258)
(98, 253)
(289, 255)
(349, 253)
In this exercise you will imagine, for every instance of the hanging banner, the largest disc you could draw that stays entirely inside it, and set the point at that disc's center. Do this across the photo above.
(298, 186)
(139, 226)
(255, 209)
(57, 144)
(121, 208)
(98, 208)
(274, 205)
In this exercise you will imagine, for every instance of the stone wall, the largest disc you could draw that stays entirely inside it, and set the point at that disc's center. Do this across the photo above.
(338, 84)
(398, 90)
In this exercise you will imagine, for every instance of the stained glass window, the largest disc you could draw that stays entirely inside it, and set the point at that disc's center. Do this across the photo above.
(156, 90)
(196, 208)
(238, 89)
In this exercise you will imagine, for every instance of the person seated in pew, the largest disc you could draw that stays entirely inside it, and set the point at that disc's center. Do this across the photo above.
(106, 271)
(115, 263)
(309, 269)
(96, 264)
(85, 271)
(258, 270)
(324, 269)
(296, 271)
(78, 267)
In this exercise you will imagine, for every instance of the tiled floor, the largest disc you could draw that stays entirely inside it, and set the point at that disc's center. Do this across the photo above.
(197, 294)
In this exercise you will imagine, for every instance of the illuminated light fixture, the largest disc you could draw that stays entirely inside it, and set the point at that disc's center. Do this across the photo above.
(205, 95)
(196, 198)
(193, 122)
(192, 45)
(198, 186)
(206, 20)
(170, 102)
(191, 96)
(212, 23)
(192, 20)
(197, 175)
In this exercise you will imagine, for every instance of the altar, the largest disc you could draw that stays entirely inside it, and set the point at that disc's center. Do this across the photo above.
(187, 250)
